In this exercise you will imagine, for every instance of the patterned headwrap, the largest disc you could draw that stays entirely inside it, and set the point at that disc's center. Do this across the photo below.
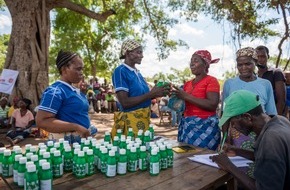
(206, 56)
(128, 45)
(247, 51)
(63, 58)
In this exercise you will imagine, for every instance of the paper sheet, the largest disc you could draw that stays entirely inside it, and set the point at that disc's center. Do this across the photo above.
(204, 159)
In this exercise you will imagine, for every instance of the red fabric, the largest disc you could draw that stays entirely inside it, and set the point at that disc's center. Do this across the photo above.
(204, 54)
(199, 90)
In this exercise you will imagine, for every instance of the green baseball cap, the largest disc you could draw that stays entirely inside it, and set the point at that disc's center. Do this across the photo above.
(239, 102)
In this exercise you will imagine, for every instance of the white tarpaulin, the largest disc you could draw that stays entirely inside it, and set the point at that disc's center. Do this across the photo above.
(7, 80)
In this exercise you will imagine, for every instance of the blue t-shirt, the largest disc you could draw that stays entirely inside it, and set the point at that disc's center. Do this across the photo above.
(261, 87)
(67, 103)
(130, 80)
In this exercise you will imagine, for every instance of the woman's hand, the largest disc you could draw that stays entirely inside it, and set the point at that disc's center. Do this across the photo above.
(228, 149)
(222, 161)
(82, 131)
(160, 91)
(180, 93)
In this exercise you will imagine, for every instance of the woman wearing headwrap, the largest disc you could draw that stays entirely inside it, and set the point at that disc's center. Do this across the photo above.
(132, 91)
(21, 121)
(199, 125)
(247, 80)
(64, 108)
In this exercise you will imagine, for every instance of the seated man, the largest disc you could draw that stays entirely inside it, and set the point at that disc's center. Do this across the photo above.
(4, 109)
(164, 108)
(102, 104)
(244, 112)
(110, 98)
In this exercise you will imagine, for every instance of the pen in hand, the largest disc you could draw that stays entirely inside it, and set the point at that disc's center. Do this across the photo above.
(223, 142)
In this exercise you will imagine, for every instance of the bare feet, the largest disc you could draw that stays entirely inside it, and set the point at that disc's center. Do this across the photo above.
(10, 141)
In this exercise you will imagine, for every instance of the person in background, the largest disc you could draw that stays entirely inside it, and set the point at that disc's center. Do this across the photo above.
(275, 76)
(14, 106)
(110, 98)
(199, 124)
(154, 109)
(64, 108)
(22, 119)
(247, 80)
(287, 76)
(174, 117)
(244, 111)
(4, 109)
(132, 90)
(102, 104)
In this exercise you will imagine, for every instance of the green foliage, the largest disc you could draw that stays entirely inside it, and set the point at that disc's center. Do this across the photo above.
(4, 40)
(177, 77)
(2, 5)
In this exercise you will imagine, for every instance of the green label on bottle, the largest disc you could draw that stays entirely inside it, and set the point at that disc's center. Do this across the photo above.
(80, 170)
(32, 185)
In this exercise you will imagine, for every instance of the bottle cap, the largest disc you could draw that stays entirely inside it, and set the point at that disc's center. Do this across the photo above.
(45, 166)
(98, 145)
(147, 133)
(140, 132)
(104, 150)
(56, 145)
(74, 144)
(56, 153)
(81, 153)
(87, 142)
(169, 146)
(83, 140)
(133, 149)
(123, 138)
(107, 133)
(52, 150)
(18, 151)
(43, 147)
(77, 146)
(142, 148)
(41, 162)
(46, 155)
(116, 138)
(31, 168)
(29, 163)
(153, 152)
(41, 151)
(65, 143)
(34, 158)
(122, 151)
(89, 152)
(50, 143)
(85, 149)
(17, 157)
(22, 160)
(114, 148)
(119, 130)
(15, 147)
(61, 140)
(162, 147)
(40, 144)
(27, 146)
(112, 153)
(76, 151)
(2, 150)
(89, 138)
(67, 148)
(130, 129)
(7, 152)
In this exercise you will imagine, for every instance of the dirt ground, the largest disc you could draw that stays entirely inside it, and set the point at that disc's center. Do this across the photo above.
(104, 122)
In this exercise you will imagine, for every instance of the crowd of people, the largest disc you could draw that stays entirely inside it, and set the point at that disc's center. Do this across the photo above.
(253, 116)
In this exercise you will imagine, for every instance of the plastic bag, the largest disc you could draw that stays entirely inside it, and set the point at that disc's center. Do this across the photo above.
(176, 104)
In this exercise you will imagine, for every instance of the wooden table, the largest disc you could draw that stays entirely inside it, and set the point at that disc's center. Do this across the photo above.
(185, 174)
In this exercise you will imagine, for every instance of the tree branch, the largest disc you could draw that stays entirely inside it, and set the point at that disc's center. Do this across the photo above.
(102, 17)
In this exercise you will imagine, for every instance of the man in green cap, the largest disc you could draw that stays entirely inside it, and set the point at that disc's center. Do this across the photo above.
(243, 111)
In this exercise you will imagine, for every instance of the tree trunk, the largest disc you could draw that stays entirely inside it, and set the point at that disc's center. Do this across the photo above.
(28, 47)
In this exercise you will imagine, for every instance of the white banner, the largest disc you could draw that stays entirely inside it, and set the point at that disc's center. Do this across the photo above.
(7, 80)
